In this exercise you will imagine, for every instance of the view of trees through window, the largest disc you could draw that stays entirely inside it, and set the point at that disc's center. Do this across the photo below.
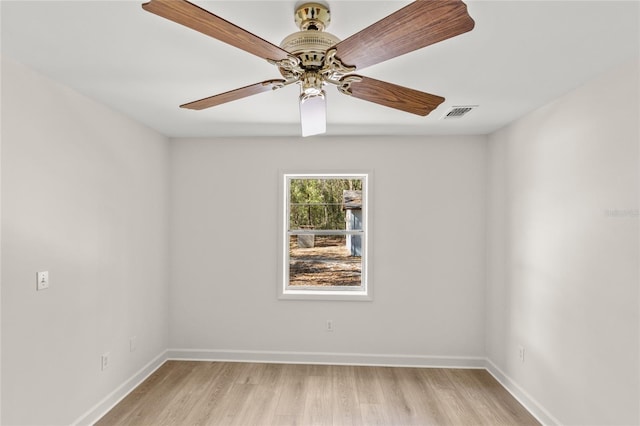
(325, 232)
(318, 203)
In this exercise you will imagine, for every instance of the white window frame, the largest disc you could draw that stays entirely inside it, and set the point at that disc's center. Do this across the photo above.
(364, 292)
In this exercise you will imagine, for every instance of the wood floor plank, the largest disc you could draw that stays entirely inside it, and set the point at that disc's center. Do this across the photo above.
(282, 420)
(231, 407)
(421, 396)
(150, 408)
(374, 415)
(124, 410)
(262, 403)
(400, 404)
(345, 407)
(455, 409)
(211, 403)
(292, 392)
(189, 395)
(505, 406)
(368, 386)
(225, 393)
(318, 403)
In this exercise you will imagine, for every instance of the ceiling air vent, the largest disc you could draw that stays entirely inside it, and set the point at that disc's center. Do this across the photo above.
(458, 111)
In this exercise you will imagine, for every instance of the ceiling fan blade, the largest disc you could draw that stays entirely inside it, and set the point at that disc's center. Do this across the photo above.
(391, 95)
(420, 24)
(233, 95)
(194, 17)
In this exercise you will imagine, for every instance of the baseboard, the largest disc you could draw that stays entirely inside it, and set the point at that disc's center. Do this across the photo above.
(527, 401)
(383, 360)
(110, 401)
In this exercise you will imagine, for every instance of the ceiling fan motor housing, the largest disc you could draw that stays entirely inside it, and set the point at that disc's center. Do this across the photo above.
(311, 43)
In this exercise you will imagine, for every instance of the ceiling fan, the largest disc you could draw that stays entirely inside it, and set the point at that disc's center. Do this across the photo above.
(314, 58)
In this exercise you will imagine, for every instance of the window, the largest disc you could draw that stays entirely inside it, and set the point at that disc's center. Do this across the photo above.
(324, 236)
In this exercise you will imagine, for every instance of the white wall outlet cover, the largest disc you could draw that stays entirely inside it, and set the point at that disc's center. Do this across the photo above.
(42, 280)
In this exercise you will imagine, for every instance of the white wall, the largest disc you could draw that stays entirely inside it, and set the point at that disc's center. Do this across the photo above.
(562, 267)
(428, 247)
(84, 196)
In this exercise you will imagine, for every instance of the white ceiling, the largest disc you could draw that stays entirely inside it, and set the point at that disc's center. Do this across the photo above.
(521, 55)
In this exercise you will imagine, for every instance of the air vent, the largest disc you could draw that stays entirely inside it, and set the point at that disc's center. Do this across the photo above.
(458, 111)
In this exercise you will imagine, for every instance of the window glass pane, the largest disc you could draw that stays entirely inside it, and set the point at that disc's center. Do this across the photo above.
(325, 260)
(325, 241)
(322, 203)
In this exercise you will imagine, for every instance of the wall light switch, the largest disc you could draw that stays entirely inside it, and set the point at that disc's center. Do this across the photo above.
(104, 361)
(329, 325)
(42, 280)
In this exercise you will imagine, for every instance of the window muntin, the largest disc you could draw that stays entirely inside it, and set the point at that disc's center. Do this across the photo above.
(324, 238)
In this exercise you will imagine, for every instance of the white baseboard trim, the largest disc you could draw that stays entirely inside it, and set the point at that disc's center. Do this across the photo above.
(527, 401)
(110, 401)
(277, 357)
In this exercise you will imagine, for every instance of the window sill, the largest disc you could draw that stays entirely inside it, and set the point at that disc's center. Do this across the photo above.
(354, 296)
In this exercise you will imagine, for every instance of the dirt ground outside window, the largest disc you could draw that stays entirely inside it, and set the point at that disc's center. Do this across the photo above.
(328, 263)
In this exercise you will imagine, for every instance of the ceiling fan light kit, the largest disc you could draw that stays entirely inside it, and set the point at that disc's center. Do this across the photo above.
(313, 114)
(313, 58)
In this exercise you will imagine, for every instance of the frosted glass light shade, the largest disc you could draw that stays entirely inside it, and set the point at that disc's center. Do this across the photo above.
(313, 115)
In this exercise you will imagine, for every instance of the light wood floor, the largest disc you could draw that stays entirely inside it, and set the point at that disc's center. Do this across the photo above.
(225, 393)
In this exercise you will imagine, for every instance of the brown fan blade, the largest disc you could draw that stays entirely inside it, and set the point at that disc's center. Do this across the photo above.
(194, 17)
(391, 95)
(413, 27)
(233, 95)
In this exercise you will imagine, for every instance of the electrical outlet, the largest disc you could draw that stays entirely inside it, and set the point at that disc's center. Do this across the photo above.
(521, 353)
(133, 343)
(329, 325)
(104, 361)
(42, 280)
